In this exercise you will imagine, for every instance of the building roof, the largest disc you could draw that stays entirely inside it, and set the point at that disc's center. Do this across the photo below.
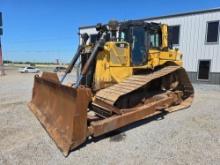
(170, 16)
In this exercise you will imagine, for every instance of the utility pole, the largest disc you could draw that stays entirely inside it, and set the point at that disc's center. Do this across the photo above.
(2, 70)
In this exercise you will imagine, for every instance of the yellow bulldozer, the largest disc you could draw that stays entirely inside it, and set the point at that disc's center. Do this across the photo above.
(128, 72)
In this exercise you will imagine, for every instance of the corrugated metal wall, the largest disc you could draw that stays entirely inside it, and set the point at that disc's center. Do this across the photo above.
(192, 40)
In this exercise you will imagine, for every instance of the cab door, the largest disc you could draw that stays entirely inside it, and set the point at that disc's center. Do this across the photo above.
(138, 52)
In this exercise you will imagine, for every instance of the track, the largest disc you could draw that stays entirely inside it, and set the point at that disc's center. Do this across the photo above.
(132, 89)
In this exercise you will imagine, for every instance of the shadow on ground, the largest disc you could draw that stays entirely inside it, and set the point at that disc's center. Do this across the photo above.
(119, 134)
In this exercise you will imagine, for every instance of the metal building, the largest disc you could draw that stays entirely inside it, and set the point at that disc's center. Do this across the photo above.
(196, 34)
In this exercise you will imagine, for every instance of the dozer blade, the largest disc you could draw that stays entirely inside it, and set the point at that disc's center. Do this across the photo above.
(62, 110)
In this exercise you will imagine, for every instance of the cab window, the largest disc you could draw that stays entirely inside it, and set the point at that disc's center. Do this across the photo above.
(155, 40)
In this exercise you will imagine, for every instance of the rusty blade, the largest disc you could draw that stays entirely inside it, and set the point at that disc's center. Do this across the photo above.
(62, 110)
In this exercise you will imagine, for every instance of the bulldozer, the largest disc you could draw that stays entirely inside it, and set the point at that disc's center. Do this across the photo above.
(128, 71)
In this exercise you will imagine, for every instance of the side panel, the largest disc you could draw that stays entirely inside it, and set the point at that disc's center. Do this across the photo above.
(119, 53)
(119, 74)
(112, 65)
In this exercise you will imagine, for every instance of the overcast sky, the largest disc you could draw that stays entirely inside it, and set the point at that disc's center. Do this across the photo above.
(44, 30)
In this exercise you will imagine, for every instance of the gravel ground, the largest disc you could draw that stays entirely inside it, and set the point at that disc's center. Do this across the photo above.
(189, 136)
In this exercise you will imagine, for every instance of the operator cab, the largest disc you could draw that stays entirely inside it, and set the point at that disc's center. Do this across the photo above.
(141, 36)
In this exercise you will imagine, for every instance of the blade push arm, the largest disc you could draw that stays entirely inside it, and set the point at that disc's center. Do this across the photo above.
(92, 57)
(84, 37)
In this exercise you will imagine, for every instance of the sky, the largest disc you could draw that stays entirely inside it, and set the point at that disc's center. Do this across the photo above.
(46, 30)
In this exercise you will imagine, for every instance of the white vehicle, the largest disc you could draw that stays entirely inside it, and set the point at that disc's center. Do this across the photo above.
(28, 69)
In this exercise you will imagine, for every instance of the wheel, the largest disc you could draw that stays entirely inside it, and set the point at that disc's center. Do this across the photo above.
(170, 82)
